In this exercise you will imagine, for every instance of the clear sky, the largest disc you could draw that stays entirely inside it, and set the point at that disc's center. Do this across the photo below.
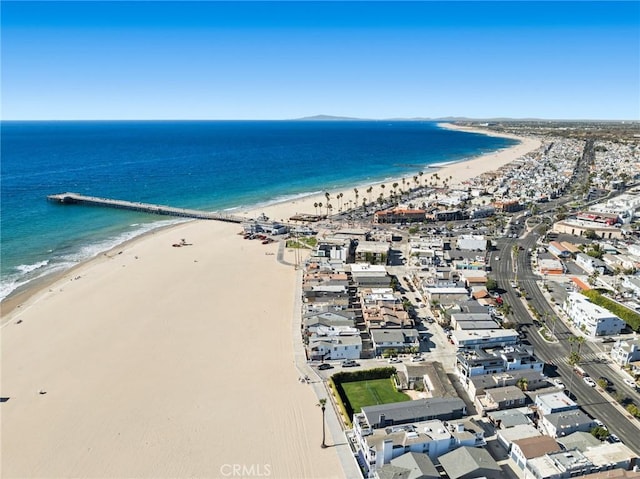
(280, 60)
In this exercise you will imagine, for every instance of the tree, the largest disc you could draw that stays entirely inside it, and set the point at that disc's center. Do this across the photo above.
(523, 383)
(322, 404)
(600, 433)
(574, 358)
(603, 383)
(491, 284)
(578, 341)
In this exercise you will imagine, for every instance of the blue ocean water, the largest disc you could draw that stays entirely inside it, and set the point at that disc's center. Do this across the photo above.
(212, 165)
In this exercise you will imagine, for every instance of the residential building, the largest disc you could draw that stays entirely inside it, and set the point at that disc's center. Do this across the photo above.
(490, 361)
(579, 440)
(397, 339)
(515, 433)
(625, 352)
(606, 455)
(478, 385)
(500, 398)
(484, 338)
(365, 275)
(470, 463)
(374, 252)
(411, 465)
(590, 264)
(594, 320)
(334, 347)
(383, 415)
(566, 422)
(554, 402)
(523, 450)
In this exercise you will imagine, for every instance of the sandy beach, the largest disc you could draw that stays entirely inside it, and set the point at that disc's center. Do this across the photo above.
(161, 361)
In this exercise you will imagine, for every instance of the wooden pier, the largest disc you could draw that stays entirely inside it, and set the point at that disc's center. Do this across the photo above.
(75, 198)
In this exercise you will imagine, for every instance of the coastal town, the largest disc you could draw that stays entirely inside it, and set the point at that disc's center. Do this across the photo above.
(486, 328)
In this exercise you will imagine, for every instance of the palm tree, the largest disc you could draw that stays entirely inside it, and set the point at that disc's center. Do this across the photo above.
(355, 190)
(369, 190)
(523, 384)
(315, 205)
(578, 341)
(322, 404)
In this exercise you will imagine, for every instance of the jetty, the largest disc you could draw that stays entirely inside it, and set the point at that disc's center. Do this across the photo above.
(75, 198)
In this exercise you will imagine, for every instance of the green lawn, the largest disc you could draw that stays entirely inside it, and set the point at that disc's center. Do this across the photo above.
(369, 393)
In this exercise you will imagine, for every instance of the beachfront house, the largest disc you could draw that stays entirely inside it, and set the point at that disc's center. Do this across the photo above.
(399, 340)
(332, 347)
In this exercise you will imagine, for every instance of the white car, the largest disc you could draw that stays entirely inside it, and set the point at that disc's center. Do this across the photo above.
(559, 383)
(630, 382)
(589, 381)
(416, 359)
(394, 360)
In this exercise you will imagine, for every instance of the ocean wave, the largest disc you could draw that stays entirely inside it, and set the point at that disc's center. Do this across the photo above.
(28, 268)
(26, 274)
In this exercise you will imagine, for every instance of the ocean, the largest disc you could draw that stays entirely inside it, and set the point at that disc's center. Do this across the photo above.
(211, 165)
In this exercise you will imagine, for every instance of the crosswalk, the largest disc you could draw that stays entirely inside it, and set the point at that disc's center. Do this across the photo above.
(584, 358)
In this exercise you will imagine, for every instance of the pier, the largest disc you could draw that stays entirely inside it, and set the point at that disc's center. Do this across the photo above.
(75, 198)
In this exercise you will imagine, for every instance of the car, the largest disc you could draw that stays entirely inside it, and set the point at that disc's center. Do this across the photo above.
(599, 423)
(513, 284)
(497, 258)
(630, 382)
(349, 363)
(589, 381)
(324, 366)
(608, 340)
(613, 438)
(416, 359)
(394, 360)
(558, 383)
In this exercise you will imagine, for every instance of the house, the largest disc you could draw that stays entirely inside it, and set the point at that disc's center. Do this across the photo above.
(382, 445)
(566, 422)
(429, 375)
(365, 275)
(510, 418)
(484, 338)
(625, 352)
(418, 410)
(500, 398)
(470, 463)
(516, 433)
(591, 264)
(559, 465)
(594, 320)
(550, 266)
(606, 455)
(472, 321)
(398, 339)
(334, 347)
(490, 361)
(446, 294)
(553, 403)
(411, 465)
(478, 385)
(579, 440)
(558, 250)
(374, 252)
(312, 321)
(523, 450)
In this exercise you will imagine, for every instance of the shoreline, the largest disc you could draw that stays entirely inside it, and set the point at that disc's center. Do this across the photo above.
(153, 358)
(23, 294)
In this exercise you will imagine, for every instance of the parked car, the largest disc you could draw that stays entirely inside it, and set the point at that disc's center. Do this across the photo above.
(608, 340)
(349, 363)
(324, 366)
(630, 383)
(416, 359)
(394, 360)
(613, 438)
(599, 423)
(558, 383)
(589, 381)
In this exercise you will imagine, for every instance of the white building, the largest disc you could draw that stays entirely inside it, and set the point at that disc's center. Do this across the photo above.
(625, 352)
(334, 347)
(472, 242)
(594, 320)
(484, 338)
(590, 264)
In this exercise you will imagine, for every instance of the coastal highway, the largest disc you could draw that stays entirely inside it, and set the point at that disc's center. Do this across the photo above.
(591, 400)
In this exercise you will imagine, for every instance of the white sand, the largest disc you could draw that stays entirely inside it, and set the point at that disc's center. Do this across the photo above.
(169, 362)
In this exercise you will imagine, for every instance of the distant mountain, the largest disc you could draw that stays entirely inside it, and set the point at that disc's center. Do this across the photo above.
(328, 118)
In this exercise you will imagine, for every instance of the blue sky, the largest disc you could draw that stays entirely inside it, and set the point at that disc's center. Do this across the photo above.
(280, 60)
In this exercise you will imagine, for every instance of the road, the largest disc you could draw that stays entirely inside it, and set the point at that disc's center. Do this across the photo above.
(555, 354)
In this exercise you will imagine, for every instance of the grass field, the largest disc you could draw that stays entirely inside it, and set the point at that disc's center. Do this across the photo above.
(372, 392)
